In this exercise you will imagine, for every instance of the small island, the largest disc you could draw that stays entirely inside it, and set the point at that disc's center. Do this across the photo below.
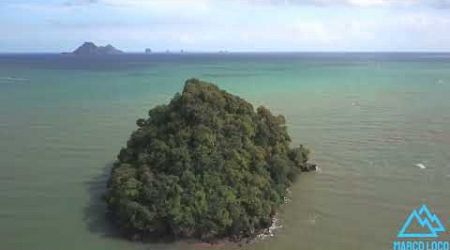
(205, 166)
(90, 49)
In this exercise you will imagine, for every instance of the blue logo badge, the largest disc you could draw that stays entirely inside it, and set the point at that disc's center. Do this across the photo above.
(429, 224)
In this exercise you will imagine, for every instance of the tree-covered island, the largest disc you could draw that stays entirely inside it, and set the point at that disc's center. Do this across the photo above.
(204, 166)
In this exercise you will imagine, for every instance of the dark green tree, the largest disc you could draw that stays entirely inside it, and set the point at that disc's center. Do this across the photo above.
(206, 165)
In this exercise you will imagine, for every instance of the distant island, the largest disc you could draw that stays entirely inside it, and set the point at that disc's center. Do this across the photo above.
(89, 48)
(207, 165)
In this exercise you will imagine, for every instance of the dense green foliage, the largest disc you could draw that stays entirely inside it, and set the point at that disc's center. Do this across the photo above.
(206, 165)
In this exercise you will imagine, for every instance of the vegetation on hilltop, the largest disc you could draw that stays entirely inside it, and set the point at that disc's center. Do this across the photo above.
(206, 166)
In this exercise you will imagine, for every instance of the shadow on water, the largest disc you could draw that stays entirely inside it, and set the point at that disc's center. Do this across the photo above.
(95, 214)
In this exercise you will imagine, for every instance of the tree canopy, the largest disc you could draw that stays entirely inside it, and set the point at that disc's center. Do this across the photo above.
(206, 165)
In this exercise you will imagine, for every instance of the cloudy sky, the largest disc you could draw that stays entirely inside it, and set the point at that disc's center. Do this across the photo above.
(234, 25)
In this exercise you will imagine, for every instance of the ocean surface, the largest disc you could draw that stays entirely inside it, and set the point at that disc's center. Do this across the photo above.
(378, 126)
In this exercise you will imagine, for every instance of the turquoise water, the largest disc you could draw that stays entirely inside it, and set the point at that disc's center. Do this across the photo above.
(368, 118)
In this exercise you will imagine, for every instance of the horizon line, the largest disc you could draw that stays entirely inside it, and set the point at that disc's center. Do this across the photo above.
(242, 52)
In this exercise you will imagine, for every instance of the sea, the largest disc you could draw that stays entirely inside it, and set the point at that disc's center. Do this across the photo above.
(378, 126)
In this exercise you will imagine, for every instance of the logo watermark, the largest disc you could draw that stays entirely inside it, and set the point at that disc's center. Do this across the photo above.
(420, 225)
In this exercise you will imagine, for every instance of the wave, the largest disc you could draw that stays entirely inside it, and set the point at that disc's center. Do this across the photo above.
(421, 166)
(440, 81)
(12, 79)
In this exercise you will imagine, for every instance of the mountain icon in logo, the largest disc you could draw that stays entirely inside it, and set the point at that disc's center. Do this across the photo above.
(428, 224)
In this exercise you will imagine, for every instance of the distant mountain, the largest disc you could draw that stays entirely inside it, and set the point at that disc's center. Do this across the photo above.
(89, 48)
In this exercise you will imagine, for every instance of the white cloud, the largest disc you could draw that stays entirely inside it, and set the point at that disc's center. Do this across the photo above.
(358, 3)
(234, 25)
(161, 5)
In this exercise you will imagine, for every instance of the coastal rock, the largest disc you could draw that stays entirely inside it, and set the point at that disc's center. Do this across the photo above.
(308, 167)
